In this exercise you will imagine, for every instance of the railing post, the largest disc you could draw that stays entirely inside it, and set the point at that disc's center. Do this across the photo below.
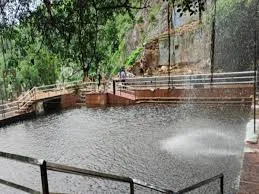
(35, 93)
(222, 184)
(113, 86)
(190, 82)
(44, 177)
(3, 113)
(132, 187)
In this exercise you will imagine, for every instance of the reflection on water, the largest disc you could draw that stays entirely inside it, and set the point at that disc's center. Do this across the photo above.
(170, 146)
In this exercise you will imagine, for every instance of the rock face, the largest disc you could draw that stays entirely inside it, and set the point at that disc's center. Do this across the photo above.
(234, 48)
(189, 45)
(149, 59)
(146, 30)
(189, 52)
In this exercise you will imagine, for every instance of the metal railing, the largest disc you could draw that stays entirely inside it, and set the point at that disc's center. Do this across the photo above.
(122, 89)
(189, 81)
(27, 98)
(42, 92)
(45, 166)
(205, 182)
(8, 109)
(129, 87)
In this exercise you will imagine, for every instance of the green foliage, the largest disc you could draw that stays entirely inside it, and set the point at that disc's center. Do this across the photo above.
(131, 59)
(83, 27)
(123, 23)
(67, 40)
(153, 11)
(140, 20)
(24, 53)
(117, 58)
(152, 18)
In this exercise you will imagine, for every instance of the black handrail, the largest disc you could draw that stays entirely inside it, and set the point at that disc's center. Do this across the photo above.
(205, 182)
(18, 187)
(45, 166)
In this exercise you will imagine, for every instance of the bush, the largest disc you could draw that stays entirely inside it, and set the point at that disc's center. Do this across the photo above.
(131, 59)
(140, 20)
(152, 18)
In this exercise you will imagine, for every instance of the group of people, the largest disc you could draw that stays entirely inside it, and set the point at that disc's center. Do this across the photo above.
(122, 75)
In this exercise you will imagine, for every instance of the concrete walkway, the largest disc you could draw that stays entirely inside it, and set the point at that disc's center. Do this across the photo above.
(249, 181)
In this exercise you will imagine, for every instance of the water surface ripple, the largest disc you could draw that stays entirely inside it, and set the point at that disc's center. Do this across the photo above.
(167, 145)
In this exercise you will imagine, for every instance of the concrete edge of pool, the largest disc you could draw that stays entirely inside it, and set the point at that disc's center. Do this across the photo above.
(249, 180)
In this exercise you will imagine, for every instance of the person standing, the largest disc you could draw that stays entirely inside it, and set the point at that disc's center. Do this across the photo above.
(123, 77)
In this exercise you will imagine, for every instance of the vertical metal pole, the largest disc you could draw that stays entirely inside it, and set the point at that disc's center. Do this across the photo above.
(213, 42)
(173, 41)
(222, 184)
(113, 86)
(5, 66)
(190, 82)
(255, 69)
(44, 177)
(3, 113)
(169, 41)
(5, 89)
(121, 83)
(254, 102)
(131, 187)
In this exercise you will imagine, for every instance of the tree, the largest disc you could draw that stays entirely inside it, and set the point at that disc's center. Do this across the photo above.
(69, 31)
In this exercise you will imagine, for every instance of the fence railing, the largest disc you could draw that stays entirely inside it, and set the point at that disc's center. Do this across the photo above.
(8, 108)
(131, 86)
(120, 88)
(205, 182)
(189, 81)
(41, 92)
(26, 98)
(45, 166)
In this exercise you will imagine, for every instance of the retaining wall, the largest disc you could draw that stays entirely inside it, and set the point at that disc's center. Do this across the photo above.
(106, 99)
(68, 100)
(197, 93)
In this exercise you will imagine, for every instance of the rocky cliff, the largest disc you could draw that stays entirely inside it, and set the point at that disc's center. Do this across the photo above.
(191, 39)
(189, 44)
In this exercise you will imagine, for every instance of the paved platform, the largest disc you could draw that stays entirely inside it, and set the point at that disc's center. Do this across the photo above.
(249, 180)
